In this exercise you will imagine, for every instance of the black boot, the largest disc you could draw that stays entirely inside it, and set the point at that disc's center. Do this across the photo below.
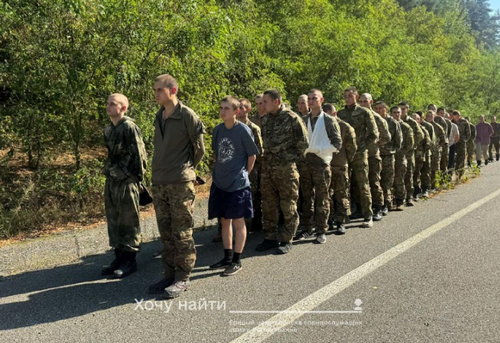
(109, 270)
(497, 157)
(128, 265)
(358, 214)
(478, 163)
(377, 215)
(225, 262)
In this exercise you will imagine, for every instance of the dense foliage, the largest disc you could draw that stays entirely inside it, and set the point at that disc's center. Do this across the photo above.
(59, 59)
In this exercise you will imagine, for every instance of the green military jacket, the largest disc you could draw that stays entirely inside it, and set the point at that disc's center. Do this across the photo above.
(396, 141)
(126, 152)
(384, 135)
(363, 123)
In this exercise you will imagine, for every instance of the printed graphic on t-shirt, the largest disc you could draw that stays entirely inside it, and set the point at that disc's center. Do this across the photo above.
(226, 150)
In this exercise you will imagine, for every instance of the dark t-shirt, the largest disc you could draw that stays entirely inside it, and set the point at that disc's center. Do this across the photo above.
(232, 148)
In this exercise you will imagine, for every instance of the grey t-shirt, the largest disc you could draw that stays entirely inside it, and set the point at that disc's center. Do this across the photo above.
(232, 148)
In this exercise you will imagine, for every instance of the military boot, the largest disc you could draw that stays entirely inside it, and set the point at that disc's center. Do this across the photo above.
(128, 265)
(109, 270)
(497, 157)
(377, 213)
(358, 214)
(479, 163)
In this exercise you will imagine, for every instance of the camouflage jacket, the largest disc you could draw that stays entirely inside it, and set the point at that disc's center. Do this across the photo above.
(424, 147)
(408, 141)
(349, 146)
(396, 141)
(384, 135)
(363, 123)
(257, 137)
(284, 137)
(418, 134)
(441, 139)
(464, 130)
(126, 153)
(473, 133)
(445, 124)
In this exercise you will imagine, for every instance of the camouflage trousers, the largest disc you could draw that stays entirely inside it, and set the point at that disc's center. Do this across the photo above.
(445, 158)
(435, 159)
(174, 213)
(315, 187)
(425, 173)
(410, 170)
(121, 201)
(254, 178)
(374, 170)
(471, 147)
(279, 186)
(359, 168)
(460, 152)
(399, 178)
(387, 177)
(339, 193)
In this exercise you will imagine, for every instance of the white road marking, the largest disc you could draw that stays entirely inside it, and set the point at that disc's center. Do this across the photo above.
(304, 306)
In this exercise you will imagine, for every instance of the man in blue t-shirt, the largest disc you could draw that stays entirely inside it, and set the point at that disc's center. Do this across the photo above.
(230, 195)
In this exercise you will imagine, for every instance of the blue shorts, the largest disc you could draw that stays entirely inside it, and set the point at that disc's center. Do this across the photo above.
(230, 205)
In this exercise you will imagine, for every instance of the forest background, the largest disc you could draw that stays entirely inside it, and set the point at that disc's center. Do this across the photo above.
(60, 59)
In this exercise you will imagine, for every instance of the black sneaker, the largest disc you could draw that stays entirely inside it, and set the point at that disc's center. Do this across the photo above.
(284, 248)
(159, 287)
(222, 264)
(303, 235)
(267, 244)
(232, 269)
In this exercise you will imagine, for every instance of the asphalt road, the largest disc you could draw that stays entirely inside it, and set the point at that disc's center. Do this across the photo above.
(427, 274)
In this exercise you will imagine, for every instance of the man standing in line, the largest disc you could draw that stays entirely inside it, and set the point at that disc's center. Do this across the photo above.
(421, 177)
(324, 140)
(364, 125)
(471, 143)
(339, 187)
(124, 169)
(255, 223)
(400, 159)
(461, 146)
(284, 137)
(495, 139)
(447, 126)
(387, 153)
(418, 136)
(483, 134)
(440, 144)
(374, 159)
(261, 110)
(178, 148)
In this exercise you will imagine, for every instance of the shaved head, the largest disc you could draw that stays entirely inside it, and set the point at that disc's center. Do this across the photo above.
(120, 98)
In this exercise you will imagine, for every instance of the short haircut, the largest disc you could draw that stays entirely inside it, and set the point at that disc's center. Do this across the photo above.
(456, 113)
(431, 105)
(259, 96)
(493, 117)
(368, 96)
(351, 89)
(394, 108)
(274, 94)
(381, 103)
(328, 107)
(432, 111)
(302, 96)
(315, 90)
(168, 81)
(235, 103)
(441, 109)
(419, 113)
(122, 99)
(245, 102)
(404, 103)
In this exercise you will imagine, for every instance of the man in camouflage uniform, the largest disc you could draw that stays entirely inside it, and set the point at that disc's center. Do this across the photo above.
(339, 187)
(284, 137)
(261, 110)
(495, 139)
(255, 223)
(124, 169)
(461, 145)
(387, 153)
(400, 159)
(374, 158)
(178, 148)
(363, 122)
(303, 105)
(440, 143)
(418, 136)
(316, 174)
(422, 177)
(446, 125)
(471, 143)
